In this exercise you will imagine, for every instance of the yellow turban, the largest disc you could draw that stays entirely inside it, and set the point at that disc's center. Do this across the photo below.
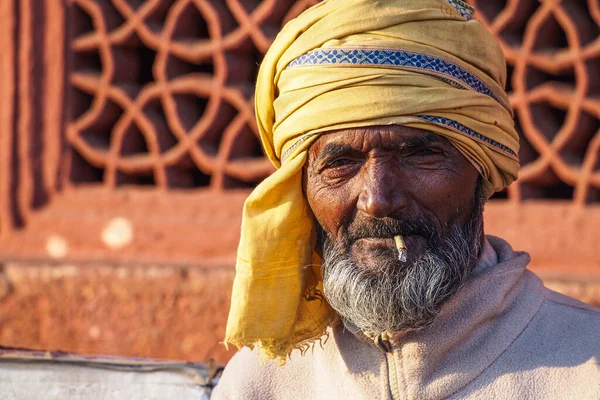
(352, 63)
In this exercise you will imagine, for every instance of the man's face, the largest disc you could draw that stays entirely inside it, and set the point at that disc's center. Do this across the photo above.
(366, 186)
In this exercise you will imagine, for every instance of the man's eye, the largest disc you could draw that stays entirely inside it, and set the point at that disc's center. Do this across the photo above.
(338, 162)
(424, 153)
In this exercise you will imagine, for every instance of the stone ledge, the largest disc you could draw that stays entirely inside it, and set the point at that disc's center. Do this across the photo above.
(127, 310)
(171, 312)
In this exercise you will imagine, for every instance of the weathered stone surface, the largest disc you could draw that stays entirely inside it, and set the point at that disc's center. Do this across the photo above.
(198, 227)
(174, 312)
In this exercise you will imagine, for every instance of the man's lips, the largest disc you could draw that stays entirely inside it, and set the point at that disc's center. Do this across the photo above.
(376, 242)
(415, 244)
(387, 241)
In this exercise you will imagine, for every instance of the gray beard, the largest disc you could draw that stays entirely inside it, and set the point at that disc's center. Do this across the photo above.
(397, 296)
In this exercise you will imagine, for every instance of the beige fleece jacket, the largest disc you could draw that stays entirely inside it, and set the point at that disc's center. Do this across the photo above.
(503, 336)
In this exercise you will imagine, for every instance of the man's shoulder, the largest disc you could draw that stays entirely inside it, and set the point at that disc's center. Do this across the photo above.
(555, 356)
(571, 315)
(247, 376)
(243, 376)
(567, 311)
(339, 363)
(570, 305)
(565, 329)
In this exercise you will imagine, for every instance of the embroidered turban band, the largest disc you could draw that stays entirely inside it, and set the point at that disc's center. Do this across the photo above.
(345, 64)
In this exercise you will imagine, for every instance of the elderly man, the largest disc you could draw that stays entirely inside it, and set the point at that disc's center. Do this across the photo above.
(362, 265)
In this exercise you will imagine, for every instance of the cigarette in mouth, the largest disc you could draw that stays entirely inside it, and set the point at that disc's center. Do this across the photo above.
(401, 246)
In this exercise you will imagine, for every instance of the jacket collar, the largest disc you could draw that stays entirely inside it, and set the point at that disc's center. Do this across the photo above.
(473, 329)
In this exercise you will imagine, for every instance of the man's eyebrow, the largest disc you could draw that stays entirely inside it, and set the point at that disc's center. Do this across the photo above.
(428, 138)
(334, 149)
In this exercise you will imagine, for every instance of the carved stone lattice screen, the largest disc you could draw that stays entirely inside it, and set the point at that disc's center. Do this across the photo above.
(163, 96)
(552, 49)
(128, 144)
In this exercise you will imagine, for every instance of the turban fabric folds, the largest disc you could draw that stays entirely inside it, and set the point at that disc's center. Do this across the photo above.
(344, 64)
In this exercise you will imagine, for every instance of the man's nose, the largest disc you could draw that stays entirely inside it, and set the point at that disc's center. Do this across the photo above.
(381, 192)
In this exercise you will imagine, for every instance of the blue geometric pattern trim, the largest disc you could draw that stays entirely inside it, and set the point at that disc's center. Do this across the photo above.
(450, 123)
(394, 58)
(465, 10)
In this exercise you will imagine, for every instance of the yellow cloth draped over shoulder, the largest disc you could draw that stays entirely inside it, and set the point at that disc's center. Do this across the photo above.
(353, 63)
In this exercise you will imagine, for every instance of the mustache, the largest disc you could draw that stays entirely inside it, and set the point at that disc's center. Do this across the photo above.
(389, 227)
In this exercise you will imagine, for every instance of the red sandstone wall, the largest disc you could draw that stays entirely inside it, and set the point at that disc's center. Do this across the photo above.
(128, 144)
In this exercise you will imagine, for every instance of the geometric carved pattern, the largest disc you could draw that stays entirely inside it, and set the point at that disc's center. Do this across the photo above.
(162, 91)
(552, 49)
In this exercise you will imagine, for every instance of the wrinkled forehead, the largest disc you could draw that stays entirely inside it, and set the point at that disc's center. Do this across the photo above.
(364, 139)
